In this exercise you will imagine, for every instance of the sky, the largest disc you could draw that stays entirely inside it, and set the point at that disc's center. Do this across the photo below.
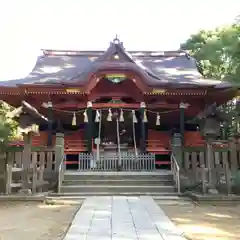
(27, 26)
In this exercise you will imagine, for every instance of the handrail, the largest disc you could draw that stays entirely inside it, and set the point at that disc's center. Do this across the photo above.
(61, 170)
(176, 172)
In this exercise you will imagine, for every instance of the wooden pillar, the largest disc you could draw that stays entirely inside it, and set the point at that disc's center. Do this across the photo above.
(233, 155)
(177, 148)
(26, 159)
(211, 130)
(3, 170)
(50, 124)
(9, 172)
(59, 149)
(34, 173)
(142, 126)
(182, 107)
(89, 126)
(210, 165)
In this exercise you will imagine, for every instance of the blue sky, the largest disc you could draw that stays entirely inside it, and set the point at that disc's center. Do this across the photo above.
(28, 25)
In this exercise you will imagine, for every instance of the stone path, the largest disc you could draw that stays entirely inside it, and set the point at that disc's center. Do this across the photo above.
(121, 218)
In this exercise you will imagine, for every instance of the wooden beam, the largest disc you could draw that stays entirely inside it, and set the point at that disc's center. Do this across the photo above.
(33, 111)
(75, 105)
(26, 108)
(132, 74)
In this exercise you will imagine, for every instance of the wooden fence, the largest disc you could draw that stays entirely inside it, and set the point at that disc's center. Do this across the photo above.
(114, 162)
(224, 165)
(37, 173)
(45, 159)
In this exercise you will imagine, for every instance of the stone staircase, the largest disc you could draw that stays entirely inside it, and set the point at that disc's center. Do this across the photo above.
(79, 185)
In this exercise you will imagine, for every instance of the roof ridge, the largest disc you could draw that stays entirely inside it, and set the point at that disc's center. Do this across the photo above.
(153, 53)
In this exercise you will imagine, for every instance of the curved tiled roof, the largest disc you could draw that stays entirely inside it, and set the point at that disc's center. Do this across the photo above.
(158, 68)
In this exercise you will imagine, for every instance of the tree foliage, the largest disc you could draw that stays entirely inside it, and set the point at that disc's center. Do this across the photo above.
(218, 57)
(8, 127)
(217, 51)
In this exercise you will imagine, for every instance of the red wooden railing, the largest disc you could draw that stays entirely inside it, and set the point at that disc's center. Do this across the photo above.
(157, 146)
(75, 146)
(158, 142)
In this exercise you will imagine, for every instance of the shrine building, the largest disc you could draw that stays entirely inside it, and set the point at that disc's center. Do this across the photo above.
(114, 101)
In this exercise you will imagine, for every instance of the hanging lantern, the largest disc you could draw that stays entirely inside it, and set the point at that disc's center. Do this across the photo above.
(74, 119)
(121, 118)
(85, 116)
(145, 116)
(158, 120)
(97, 117)
(109, 117)
(134, 118)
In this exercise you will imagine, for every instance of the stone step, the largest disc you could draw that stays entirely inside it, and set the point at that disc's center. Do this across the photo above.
(64, 199)
(122, 182)
(113, 188)
(83, 195)
(76, 175)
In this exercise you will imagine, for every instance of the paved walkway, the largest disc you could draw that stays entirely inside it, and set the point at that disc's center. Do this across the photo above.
(121, 218)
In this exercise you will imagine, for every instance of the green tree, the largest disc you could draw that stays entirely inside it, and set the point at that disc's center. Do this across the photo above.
(218, 57)
(217, 52)
(8, 127)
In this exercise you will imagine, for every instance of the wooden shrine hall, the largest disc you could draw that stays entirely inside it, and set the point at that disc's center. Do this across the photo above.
(114, 101)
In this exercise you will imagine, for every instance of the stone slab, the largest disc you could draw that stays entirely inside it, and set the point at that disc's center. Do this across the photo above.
(121, 173)
(215, 198)
(122, 218)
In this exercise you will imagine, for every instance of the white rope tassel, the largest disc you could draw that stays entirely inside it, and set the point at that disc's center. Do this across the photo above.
(97, 117)
(158, 120)
(145, 116)
(74, 119)
(109, 117)
(134, 118)
(85, 116)
(121, 118)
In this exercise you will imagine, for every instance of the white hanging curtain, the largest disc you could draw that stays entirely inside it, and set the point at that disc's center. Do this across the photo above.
(74, 119)
(97, 117)
(145, 116)
(134, 118)
(85, 116)
(121, 118)
(109, 117)
(158, 123)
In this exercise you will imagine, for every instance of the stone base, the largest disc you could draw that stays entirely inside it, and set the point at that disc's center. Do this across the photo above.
(212, 198)
(24, 198)
(213, 191)
(27, 192)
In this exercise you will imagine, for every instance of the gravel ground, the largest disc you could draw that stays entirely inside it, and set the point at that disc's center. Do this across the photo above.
(34, 221)
(206, 222)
